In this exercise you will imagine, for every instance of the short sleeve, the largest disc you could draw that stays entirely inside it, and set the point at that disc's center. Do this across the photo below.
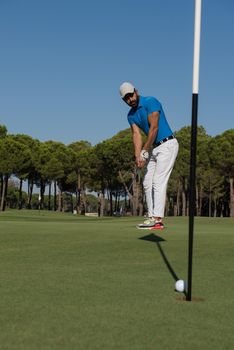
(153, 105)
(130, 119)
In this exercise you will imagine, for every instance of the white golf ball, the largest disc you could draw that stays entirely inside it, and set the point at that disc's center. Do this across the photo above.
(180, 286)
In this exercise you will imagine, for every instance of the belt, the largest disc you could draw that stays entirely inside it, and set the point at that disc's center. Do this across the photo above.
(164, 140)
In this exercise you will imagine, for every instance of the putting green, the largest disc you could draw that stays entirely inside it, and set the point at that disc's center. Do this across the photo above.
(70, 282)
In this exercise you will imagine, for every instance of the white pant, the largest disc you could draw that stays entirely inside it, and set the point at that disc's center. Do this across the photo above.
(159, 168)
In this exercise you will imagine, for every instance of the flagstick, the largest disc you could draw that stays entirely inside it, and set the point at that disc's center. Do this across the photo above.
(192, 185)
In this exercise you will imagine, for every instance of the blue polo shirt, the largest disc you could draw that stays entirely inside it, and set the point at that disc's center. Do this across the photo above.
(139, 116)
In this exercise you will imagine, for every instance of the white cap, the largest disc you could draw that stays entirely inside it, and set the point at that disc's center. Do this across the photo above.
(126, 88)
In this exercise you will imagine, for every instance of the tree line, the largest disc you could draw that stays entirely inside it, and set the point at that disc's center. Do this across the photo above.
(71, 173)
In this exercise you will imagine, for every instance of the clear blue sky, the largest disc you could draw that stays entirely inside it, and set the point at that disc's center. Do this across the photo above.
(62, 62)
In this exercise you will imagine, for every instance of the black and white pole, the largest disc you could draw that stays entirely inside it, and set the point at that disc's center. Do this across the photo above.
(192, 183)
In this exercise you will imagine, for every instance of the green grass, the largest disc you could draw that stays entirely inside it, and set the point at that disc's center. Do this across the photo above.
(69, 282)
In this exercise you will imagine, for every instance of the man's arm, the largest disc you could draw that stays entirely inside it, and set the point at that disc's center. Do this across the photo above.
(137, 141)
(153, 119)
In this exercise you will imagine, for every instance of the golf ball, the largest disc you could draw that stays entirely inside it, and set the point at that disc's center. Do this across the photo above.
(180, 286)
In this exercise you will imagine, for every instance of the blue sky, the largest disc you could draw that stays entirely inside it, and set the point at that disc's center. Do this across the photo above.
(62, 62)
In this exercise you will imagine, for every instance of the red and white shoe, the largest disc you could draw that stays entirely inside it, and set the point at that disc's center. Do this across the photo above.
(158, 226)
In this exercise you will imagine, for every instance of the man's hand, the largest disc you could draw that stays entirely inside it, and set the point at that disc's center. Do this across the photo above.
(144, 155)
(142, 159)
(140, 163)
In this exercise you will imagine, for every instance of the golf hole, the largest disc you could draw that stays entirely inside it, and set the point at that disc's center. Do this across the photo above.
(195, 299)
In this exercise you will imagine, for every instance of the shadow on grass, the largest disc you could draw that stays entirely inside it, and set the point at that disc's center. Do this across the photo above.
(157, 239)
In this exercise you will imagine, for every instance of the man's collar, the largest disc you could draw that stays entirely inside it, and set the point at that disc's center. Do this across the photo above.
(140, 104)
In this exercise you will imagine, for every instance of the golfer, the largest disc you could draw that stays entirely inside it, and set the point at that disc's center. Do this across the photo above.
(158, 153)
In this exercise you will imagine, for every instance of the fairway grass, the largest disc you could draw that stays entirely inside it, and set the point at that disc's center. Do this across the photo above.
(70, 282)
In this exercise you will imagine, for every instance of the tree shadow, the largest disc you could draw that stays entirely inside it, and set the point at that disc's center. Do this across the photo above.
(157, 239)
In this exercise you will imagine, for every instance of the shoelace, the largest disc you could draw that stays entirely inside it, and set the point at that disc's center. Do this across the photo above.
(148, 221)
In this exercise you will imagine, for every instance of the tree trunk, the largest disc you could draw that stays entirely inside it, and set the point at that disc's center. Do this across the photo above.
(30, 192)
(167, 206)
(55, 195)
(221, 210)
(42, 192)
(178, 199)
(117, 201)
(59, 199)
(78, 203)
(20, 195)
(231, 198)
(101, 203)
(184, 198)
(141, 209)
(4, 193)
(72, 208)
(134, 201)
(136, 196)
(6, 188)
(83, 202)
(183, 203)
(215, 207)
(201, 200)
(125, 200)
(111, 203)
(197, 200)
(49, 199)
(210, 198)
(1, 186)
